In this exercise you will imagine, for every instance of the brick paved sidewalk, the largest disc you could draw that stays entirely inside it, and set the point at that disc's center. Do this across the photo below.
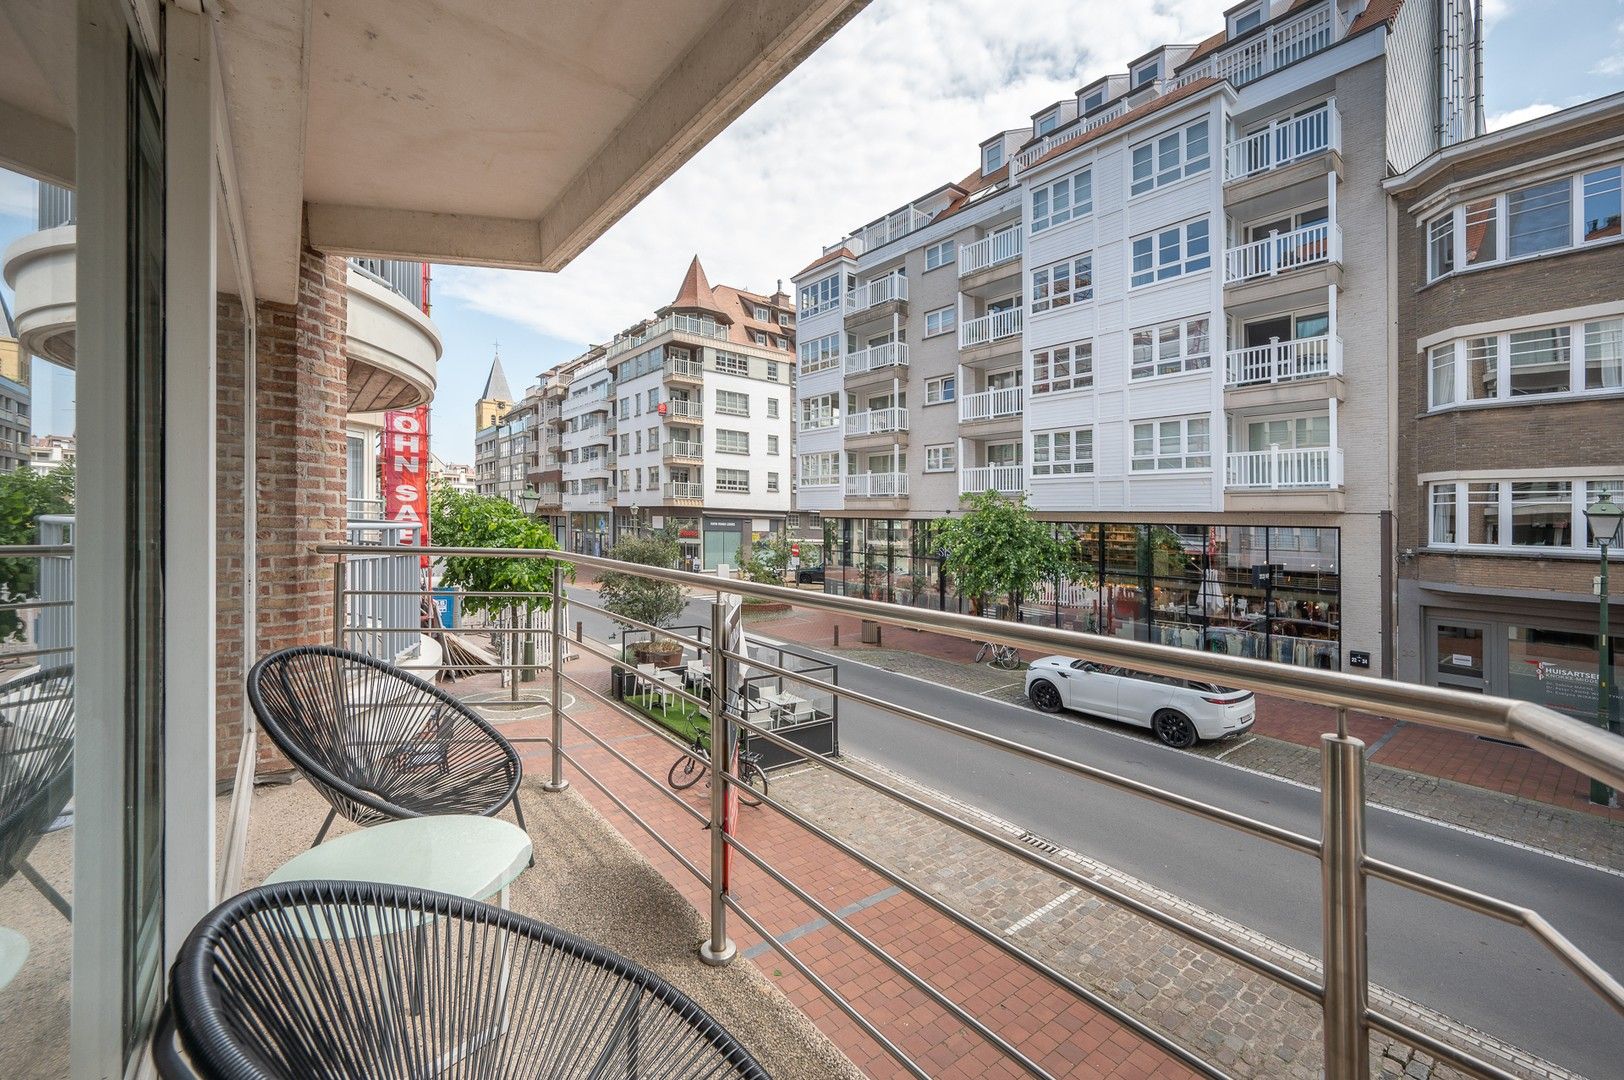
(1065, 1035)
(1500, 767)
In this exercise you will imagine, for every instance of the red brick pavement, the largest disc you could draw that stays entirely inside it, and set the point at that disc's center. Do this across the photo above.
(1508, 769)
(1065, 1035)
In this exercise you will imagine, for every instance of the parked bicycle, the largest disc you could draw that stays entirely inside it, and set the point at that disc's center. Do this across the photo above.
(686, 771)
(999, 656)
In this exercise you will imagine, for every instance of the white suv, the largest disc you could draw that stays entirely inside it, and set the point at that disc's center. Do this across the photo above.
(1180, 712)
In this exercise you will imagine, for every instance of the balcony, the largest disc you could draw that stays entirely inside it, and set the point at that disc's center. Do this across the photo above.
(999, 404)
(679, 409)
(683, 451)
(881, 290)
(893, 226)
(693, 325)
(1004, 479)
(1001, 249)
(1281, 469)
(683, 491)
(1284, 361)
(1272, 48)
(991, 328)
(877, 358)
(1284, 142)
(679, 370)
(1319, 244)
(880, 485)
(876, 422)
(1075, 130)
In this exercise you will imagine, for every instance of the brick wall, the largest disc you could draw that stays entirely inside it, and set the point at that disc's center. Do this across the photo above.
(302, 496)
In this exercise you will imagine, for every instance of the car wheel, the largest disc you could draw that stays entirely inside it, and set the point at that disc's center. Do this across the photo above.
(1044, 695)
(1174, 729)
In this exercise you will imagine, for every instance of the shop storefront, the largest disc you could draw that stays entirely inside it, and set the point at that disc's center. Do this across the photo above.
(589, 533)
(1531, 655)
(1265, 592)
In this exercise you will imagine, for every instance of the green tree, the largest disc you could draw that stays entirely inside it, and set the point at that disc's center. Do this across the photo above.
(768, 561)
(657, 603)
(998, 549)
(24, 496)
(463, 519)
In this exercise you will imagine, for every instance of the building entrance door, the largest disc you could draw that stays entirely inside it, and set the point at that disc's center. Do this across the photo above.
(1457, 654)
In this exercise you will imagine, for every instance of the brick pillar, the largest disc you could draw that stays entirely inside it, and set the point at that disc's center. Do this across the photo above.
(302, 498)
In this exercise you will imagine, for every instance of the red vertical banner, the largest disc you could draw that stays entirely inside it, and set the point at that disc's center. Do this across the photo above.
(406, 471)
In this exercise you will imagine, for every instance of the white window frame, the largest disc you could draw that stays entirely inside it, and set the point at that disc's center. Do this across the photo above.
(1168, 163)
(728, 481)
(941, 254)
(1051, 118)
(1191, 451)
(726, 407)
(732, 364)
(1183, 263)
(819, 354)
(992, 157)
(1184, 335)
(1235, 18)
(1601, 180)
(1094, 101)
(943, 390)
(819, 412)
(941, 458)
(1075, 358)
(1076, 191)
(1079, 268)
(941, 320)
(772, 482)
(1584, 337)
(1077, 444)
(1457, 494)
(820, 296)
(1146, 73)
(827, 474)
(732, 441)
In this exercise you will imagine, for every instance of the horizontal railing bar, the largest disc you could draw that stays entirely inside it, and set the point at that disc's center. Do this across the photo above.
(1580, 746)
(1289, 979)
(1577, 960)
(698, 702)
(10, 551)
(956, 1010)
(637, 624)
(1284, 837)
(629, 812)
(24, 654)
(645, 722)
(824, 988)
(992, 937)
(20, 605)
(1428, 1044)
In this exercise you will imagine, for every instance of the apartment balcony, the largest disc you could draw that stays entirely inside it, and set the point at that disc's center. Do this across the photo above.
(683, 492)
(692, 325)
(1284, 42)
(682, 452)
(1074, 130)
(591, 469)
(677, 410)
(1302, 478)
(893, 226)
(1004, 479)
(1314, 245)
(991, 336)
(876, 422)
(998, 407)
(1283, 372)
(887, 359)
(677, 370)
(990, 260)
(878, 298)
(880, 485)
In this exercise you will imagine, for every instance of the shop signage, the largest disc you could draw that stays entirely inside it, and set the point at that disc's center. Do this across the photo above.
(1561, 686)
(406, 472)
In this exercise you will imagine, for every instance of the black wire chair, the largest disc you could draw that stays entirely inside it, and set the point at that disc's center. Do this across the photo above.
(329, 979)
(36, 769)
(379, 743)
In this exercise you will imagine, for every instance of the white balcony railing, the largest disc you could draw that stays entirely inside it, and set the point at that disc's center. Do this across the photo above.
(875, 357)
(1272, 49)
(678, 490)
(877, 291)
(1278, 468)
(1004, 479)
(991, 404)
(990, 251)
(896, 225)
(682, 448)
(880, 485)
(1283, 142)
(1284, 252)
(1075, 130)
(989, 328)
(697, 325)
(678, 368)
(681, 409)
(877, 421)
(1284, 361)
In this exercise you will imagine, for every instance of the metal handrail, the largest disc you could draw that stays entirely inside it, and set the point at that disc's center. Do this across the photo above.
(1344, 991)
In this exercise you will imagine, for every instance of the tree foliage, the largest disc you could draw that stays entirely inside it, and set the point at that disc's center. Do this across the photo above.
(997, 549)
(657, 603)
(463, 519)
(768, 561)
(24, 496)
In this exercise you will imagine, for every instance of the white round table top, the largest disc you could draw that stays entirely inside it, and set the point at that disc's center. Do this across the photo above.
(460, 854)
(13, 953)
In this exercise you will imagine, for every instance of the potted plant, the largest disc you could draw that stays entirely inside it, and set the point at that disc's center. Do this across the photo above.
(646, 600)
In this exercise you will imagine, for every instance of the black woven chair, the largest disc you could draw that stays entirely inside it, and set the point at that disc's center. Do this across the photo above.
(36, 769)
(379, 743)
(309, 980)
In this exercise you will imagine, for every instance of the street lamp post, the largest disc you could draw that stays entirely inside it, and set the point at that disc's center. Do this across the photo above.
(1605, 518)
(529, 499)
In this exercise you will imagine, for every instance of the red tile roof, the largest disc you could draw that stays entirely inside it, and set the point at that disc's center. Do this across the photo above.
(842, 253)
(695, 292)
(1172, 97)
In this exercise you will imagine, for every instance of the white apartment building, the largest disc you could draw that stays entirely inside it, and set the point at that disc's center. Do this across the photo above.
(1171, 310)
(588, 459)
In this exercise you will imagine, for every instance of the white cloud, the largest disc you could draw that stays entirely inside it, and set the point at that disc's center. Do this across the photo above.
(890, 108)
(1512, 117)
(1613, 64)
(17, 195)
(1493, 12)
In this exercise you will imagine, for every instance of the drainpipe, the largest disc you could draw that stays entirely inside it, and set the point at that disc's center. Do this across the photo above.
(1478, 119)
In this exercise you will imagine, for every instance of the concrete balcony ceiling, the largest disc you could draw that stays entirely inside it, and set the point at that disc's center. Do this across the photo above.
(39, 268)
(487, 132)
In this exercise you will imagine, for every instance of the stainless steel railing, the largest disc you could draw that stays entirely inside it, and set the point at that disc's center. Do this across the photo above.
(1343, 989)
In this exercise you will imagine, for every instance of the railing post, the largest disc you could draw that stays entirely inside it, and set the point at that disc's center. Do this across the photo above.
(338, 601)
(1342, 900)
(718, 951)
(557, 781)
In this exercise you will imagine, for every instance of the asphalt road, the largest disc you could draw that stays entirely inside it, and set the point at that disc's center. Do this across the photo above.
(1482, 972)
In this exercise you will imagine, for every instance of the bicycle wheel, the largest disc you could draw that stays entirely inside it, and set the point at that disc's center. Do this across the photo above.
(685, 772)
(755, 783)
(1008, 659)
(981, 652)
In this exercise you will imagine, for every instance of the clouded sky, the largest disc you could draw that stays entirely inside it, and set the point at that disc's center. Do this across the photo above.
(891, 107)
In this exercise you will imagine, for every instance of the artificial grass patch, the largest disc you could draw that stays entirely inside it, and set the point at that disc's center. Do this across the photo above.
(682, 718)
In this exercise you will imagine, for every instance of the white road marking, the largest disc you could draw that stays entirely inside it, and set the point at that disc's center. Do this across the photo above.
(1023, 923)
(1249, 741)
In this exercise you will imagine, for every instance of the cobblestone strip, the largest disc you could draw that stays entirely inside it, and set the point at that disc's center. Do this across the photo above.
(1237, 1020)
(1555, 830)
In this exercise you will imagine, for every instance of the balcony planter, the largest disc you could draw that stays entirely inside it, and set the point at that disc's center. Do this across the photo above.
(662, 653)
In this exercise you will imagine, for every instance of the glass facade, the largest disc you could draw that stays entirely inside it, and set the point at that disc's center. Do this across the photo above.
(1271, 593)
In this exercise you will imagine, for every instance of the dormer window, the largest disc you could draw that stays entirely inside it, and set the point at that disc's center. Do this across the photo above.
(992, 157)
(1246, 19)
(1147, 73)
(1048, 122)
(1094, 100)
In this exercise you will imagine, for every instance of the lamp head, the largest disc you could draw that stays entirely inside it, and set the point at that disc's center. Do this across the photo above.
(1604, 518)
